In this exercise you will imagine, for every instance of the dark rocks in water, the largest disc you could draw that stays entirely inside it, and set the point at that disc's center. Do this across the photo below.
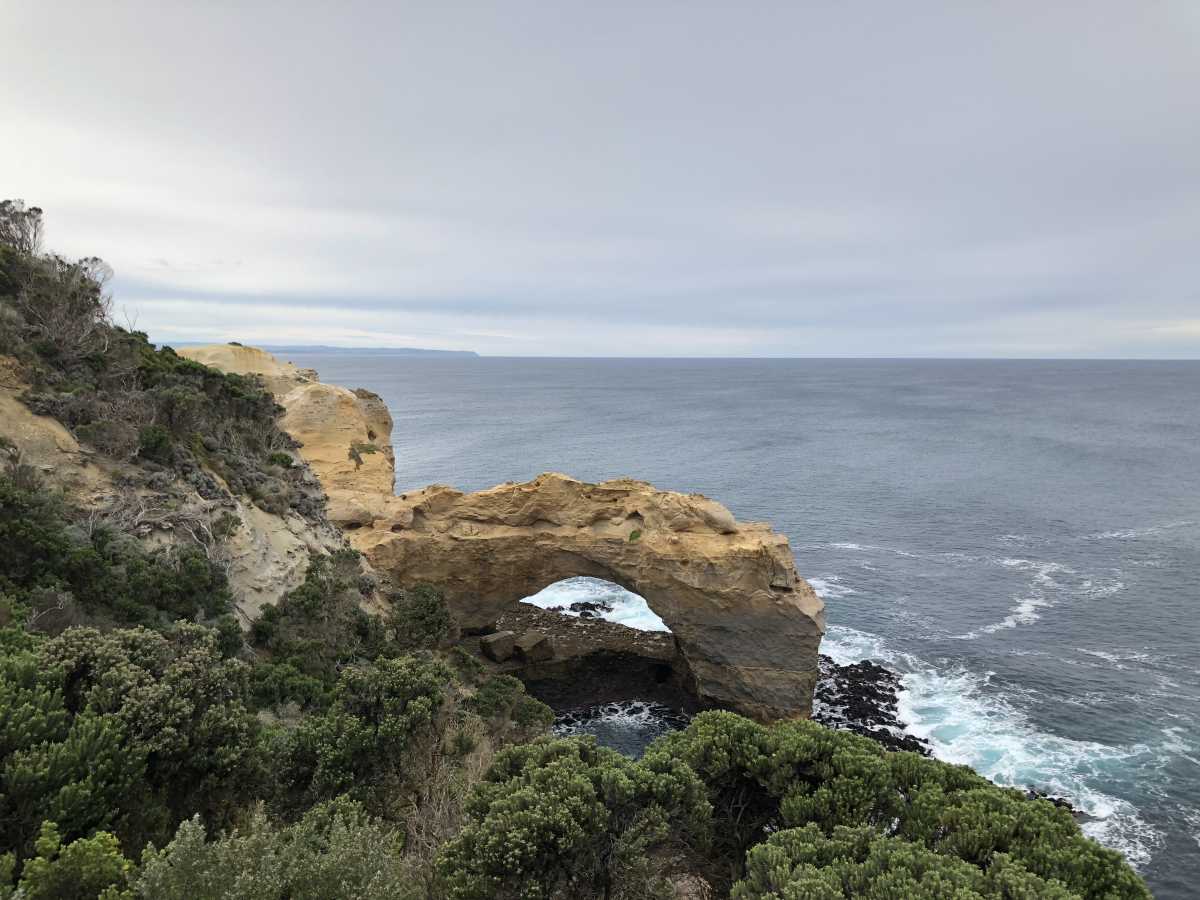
(590, 608)
(1060, 802)
(862, 697)
(585, 609)
(627, 726)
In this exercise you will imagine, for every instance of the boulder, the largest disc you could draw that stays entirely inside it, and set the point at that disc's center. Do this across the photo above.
(533, 646)
(498, 646)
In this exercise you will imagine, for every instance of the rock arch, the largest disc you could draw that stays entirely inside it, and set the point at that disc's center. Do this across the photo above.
(747, 625)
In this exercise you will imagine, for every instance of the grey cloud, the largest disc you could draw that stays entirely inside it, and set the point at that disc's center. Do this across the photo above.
(863, 178)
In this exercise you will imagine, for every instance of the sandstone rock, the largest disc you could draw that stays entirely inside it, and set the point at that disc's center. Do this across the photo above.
(747, 625)
(265, 556)
(533, 646)
(345, 436)
(498, 646)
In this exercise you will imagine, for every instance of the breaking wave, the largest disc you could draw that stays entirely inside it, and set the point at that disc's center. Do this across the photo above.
(611, 602)
(967, 723)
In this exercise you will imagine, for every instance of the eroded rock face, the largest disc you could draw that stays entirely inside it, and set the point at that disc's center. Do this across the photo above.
(345, 436)
(747, 624)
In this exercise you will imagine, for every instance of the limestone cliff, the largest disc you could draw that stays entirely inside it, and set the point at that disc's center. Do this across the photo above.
(344, 435)
(747, 625)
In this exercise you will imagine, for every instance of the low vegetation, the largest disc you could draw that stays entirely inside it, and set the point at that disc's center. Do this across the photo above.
(148, 749)
(119, 394)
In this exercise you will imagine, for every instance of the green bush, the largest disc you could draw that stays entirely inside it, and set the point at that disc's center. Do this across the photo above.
(760, 779)
(315, 631)
(466, 665)
(380, 715)
(177, 704)
(860, 863)
(109, 577)
(569, 818)
(501, 700)
(86, 869)
(119, 393)
(154, 442)
(335, 852)
(127, 731)
(420, 618)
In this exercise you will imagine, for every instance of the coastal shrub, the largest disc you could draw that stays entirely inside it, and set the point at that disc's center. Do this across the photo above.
(420, 618)
(381, 716)
(177, 705)
(793, 774)
(569, 818)
(109, 577)
(335, 851)
(860, 862)
(154, 442)
(114, 390)
(86, 869)
(78, 769)
(316, 630)
(502, 700)
(466, 665)
(126, 731)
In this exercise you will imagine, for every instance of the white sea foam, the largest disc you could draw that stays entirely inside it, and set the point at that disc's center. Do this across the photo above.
(849, 545)
(1038, 595)
(830, 587)
(965, 722)
(1132, 534)
(627, 608)
(1116, 656)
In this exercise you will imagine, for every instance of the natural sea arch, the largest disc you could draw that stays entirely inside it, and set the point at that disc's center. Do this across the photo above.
(747, 626)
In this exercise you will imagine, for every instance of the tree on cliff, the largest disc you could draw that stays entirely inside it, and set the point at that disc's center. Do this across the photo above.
(569, 818)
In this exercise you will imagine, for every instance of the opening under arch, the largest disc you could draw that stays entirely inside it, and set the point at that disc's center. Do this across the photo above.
(587, 597)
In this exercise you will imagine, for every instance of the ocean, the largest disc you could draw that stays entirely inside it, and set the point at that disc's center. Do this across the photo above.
(1020, 540)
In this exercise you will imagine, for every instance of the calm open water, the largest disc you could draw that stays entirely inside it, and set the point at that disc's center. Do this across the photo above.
(1020, 538)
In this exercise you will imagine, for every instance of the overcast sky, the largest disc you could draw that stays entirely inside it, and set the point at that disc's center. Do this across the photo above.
(956, 178)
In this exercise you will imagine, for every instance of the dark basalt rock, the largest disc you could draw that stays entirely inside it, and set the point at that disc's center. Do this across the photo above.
(862, 698)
